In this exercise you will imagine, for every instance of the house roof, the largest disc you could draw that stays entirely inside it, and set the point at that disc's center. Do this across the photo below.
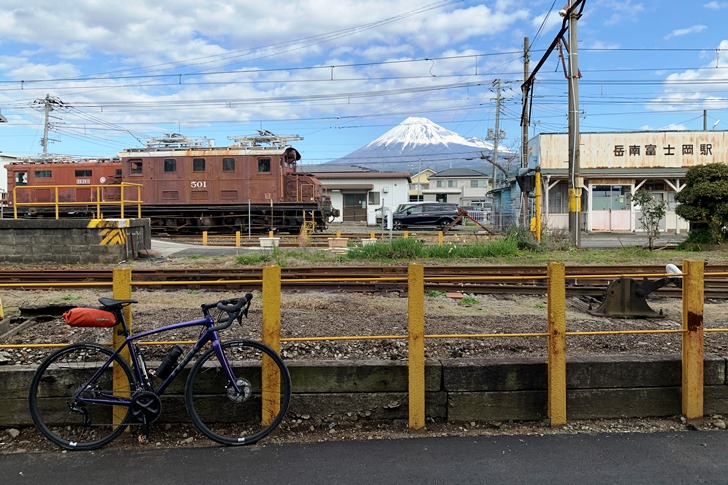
(459, 173)
(336, 168)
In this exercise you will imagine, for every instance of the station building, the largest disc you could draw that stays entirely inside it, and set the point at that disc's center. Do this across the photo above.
(615, 165)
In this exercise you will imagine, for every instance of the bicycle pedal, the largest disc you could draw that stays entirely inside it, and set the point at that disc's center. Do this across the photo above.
(142, 439)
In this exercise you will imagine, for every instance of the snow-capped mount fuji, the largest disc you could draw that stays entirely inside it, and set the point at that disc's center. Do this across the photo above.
(418, 143)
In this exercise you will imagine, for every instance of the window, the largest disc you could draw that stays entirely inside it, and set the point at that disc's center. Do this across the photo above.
(83, 173)
(558, 200)
(118, 172)
(170, 165)
(374, 198)
(264, 165)
(228, 164)
(451, 183)
(440, 184)
(135, 166)
(21, 178)
(198, 164)
(43, 174)
(477, 184)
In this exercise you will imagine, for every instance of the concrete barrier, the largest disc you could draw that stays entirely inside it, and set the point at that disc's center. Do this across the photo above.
(456, 390)
(72, 241)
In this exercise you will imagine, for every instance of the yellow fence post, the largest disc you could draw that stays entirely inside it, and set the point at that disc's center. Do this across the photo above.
(692, 340)
(439, 238)
(204, 238)
(237, 239)
(416, 345)
(405, 234)
(557, 344)
(271, 379)
(121, 284)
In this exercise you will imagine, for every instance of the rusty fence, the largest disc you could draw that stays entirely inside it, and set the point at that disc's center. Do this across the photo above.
(692, 329)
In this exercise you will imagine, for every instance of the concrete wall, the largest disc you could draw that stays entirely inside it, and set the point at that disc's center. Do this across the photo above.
(72, 241)
(457, 390)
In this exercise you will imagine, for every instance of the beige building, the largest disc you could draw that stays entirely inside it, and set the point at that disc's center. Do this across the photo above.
(615, 165)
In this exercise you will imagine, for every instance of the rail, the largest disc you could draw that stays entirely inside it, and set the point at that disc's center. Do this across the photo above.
(692, 330)
(100, 200)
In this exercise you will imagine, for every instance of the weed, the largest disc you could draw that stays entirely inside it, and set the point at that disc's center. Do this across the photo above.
(434, 293)
(468, 300)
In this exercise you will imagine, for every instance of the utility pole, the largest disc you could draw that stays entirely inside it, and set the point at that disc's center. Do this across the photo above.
(524, 132)
(49, 103)
(575, 180)
(495, 136)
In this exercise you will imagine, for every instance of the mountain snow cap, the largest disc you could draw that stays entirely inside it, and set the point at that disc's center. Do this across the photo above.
(421, 131)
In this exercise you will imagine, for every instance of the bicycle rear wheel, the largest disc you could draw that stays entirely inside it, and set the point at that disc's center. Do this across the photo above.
(59, 389)
(236, 418)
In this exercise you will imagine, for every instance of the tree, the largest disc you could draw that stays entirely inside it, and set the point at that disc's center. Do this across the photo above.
(704, 198)
(652, 211)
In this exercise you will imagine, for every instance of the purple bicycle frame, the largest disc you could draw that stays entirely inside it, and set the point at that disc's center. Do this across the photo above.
(143, 380)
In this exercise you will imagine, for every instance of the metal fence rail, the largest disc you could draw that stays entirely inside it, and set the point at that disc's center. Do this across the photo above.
(692, 329)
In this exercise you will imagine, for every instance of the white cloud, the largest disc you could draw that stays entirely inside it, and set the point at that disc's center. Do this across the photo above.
(716, 5)
(695, 29)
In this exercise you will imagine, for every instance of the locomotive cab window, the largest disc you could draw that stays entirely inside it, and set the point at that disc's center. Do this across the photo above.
(82, 173)
(43, 174)
(198, 164)
(135, 167)
(21, 178)
(228, 164)
(170, 165)
(264, 165)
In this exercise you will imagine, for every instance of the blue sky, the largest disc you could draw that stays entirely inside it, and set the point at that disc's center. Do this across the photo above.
(340, 73)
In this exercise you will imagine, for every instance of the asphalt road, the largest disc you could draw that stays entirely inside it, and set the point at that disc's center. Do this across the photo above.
(650, 458)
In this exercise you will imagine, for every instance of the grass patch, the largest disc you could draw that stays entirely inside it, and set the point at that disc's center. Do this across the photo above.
(468, 300)
(409, 248)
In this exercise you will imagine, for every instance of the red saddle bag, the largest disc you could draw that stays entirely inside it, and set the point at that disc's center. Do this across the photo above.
(89, 317)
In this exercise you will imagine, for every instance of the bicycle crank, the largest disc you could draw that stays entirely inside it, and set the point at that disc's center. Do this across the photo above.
(146, 407)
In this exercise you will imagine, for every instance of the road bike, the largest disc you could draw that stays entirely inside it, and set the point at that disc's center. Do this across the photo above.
(84, 395)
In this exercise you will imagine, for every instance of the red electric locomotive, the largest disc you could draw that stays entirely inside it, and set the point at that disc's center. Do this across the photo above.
(189, 185)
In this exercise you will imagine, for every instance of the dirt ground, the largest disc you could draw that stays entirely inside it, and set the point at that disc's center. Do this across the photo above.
(319, 314)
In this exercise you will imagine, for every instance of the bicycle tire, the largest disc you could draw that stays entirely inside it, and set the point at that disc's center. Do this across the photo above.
(64, 420)
(222, 415)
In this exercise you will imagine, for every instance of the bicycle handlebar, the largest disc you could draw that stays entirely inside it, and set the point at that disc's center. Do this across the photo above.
(234, 307)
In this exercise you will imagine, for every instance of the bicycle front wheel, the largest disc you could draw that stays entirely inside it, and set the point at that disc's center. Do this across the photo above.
(71, 407)
(244, 415)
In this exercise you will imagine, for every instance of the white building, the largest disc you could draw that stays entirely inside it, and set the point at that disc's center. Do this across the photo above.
(358, 192)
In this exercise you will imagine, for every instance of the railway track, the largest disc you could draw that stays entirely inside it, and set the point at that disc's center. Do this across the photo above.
(581, 280)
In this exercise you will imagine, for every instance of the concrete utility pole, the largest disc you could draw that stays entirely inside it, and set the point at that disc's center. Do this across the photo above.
(575, 180)
(524, 132)
(495, 136)
(49, 104)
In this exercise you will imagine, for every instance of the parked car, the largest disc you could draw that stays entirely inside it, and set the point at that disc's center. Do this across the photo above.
(428, 214)
(400, 207)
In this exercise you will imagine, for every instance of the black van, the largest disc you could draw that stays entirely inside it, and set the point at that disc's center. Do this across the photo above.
(434, 214)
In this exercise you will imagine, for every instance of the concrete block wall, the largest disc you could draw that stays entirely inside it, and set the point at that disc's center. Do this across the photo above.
(72, 241)
(457, 390)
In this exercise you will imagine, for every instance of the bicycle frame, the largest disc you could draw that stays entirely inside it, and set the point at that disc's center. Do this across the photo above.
(142, 380)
